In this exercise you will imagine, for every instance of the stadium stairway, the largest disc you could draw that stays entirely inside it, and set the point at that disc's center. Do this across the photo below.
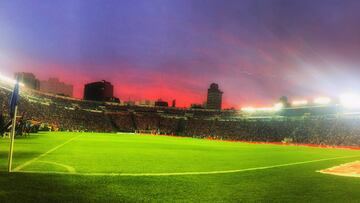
(113, 124)
(133, 121)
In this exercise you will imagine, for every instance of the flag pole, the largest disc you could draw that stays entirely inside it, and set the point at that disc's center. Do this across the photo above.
(12, 138)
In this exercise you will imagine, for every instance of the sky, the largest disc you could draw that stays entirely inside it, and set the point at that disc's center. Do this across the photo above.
(256, 50)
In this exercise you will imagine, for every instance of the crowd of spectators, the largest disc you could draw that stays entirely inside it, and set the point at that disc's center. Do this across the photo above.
(59, 113)
(322, 131)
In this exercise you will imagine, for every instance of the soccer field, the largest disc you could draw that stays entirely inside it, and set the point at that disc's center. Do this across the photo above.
(126, 167)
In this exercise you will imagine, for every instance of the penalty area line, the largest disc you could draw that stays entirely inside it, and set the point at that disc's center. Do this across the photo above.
(18, 168)
(189, 173)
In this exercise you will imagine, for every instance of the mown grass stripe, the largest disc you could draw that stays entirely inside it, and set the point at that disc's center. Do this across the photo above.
(191, 173)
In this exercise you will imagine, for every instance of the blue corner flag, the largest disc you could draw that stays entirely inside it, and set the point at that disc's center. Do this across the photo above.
(14, 99)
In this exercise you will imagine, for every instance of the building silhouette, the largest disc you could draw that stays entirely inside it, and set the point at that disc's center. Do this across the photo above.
(214, 97)
(29, 80)
(54, 86)
(99, 91)
(162, 103)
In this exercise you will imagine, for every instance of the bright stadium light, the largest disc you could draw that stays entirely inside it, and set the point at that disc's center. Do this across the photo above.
(248, 109)
(350, 100)
(299, 102)
(9, 80)
(322, 100)
(252, 109)
(278, 106)
(265, 109)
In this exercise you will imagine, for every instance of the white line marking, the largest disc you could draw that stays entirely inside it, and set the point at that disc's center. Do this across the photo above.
(18, 168)
(189, 173)
(67, 167)
(330, 171)
(338, 174)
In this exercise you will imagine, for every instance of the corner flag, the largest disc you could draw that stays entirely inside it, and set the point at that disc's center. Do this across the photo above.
(13, 110)
(14, 100)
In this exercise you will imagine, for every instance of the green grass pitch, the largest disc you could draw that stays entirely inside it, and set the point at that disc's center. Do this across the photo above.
(100, 167)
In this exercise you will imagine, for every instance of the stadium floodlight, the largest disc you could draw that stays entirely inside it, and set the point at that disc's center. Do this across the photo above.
(265, 109)
(322, 100)
(350, 100)
(9, 80)
(299, 102)
(278, 106)
(248, 109)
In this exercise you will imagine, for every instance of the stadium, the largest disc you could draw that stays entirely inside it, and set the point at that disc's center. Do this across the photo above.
(108, 152)
(179, 101)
